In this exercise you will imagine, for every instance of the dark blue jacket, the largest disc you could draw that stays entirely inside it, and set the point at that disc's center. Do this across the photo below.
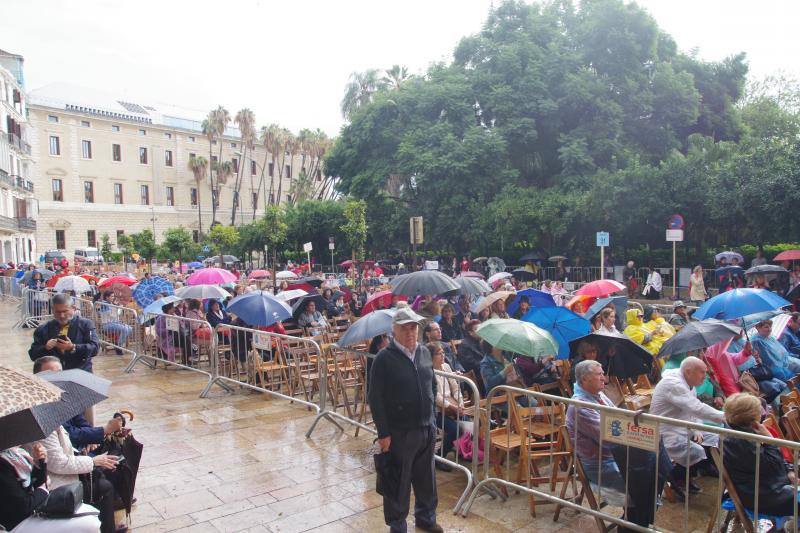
(790, 341)
(81, 433)
(81, 333)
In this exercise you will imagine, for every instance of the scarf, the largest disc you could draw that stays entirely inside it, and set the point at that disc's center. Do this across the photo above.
(22, 463)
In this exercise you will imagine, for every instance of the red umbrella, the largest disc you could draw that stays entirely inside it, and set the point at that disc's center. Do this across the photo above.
(346, 263)
(89, 277)
(471, 274)
(788, 255)
(122, 293)
(600, 288)
(259, 274)
(305, 286)
(125, 280)
(52, 281)
(385, 298)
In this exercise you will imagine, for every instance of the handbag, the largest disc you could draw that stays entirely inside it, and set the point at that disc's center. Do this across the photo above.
(748, 383)
(62, 502)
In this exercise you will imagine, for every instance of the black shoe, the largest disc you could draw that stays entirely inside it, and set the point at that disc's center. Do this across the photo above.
(430, 528)
(694, 488)
(118, 351)
(680, 495)
(444, 467)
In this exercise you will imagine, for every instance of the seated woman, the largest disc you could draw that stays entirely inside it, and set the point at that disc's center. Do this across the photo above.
(448, 400)
(109, 318)
(638, 333)
(201, 333)
(775, 492)
(497, 368)
(217, 315)
(470, 352)
(608, 318)
(451, 328)
(171, 338)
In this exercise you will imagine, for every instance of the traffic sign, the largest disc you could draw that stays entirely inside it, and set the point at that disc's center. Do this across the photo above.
(206, 249)
(674, 235)
(603, 238)
(307, 247)
(675, 222)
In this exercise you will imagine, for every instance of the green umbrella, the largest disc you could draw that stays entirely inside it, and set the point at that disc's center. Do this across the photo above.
(517, 336)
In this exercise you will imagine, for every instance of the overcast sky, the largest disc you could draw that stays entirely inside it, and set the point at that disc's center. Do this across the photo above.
(290, 60)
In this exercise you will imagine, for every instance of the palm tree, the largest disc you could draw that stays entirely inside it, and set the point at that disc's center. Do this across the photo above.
(359, 91)
(245, 119)
(199, 167)
(395, 77)
(224, 171)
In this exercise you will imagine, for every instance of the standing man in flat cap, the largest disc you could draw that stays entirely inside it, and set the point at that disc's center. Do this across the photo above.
(401, 393)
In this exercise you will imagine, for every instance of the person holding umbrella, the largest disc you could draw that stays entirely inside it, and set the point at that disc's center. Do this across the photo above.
(401, 397)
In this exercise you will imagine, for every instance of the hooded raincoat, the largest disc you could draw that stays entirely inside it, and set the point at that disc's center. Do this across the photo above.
(637, 331)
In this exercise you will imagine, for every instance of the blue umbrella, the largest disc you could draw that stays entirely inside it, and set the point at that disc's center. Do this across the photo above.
(620, 307)
(195, 264)
(563, 324)
(146, 290)
(259, 308)
(537, 299)
(365, 328)
(738, 303)
(157, 306)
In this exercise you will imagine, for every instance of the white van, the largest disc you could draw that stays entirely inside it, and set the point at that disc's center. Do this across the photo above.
(88, 254)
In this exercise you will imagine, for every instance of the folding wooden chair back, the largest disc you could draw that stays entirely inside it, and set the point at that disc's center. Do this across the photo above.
(739, 508)
(791, 424)
(564, 367)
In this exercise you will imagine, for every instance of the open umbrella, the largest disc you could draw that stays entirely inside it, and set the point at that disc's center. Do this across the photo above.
(147, 290)
(563, 325)
(491, 298)
(290, 295)
(472, 274)
(157, 306)
(728, 256)
(620, 304)
(125, 280)
(302, 287)
(472, 286)
(600, 288)
(367, 327)
(225, 259)
(535, 255)
(557, 258)
(83, 389)
(696, 335)
(53, 280)
(536, 298)
(211, 276)
(497, 277)
(72, 283)
(788, 255)
(259, 274)
(259, 308)
(195, 264)
(523, 275)
(766, 269)
(28, 408)
(346, 263)
(300, 305)
(122, 293)
(314, 282)
(89, 277)
(202, 292)
(28, 274)
(423, 282)
(382, 299)
(286, 274)
(626, 359)
(518, 337)
(738, 303)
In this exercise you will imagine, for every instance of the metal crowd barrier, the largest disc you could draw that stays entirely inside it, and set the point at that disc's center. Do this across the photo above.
(117, 326)
(348, 372)
(9, 289)
(537, 429)
(279, 365)
(34, 308)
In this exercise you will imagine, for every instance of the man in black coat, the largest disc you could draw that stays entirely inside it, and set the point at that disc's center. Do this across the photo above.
(70, 338)
(401, 397)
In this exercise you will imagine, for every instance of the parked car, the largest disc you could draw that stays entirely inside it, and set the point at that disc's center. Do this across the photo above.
(53, 255)
(88, 254)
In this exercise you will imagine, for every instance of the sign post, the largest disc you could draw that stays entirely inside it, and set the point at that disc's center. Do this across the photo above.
(674, 235)
(307, 247)
(415, 232)
(331, 246)
(603, 240)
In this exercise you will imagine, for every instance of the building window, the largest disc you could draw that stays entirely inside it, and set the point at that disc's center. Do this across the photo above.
(144, 194)
(255, 200)
(61, 241)
(191, 138)
(193, 196)
(271, 170)
(191, 155)
(91, 238)
(142, 132)
(235, 165)
(233, 145)
(116, 152)
(253, 168)
(168, 135)
(58, 191)
(171, 196)
(213, 159)
(114, 128)
(118, 193)
(52, 118)
(55, 145)
(88, 192)
(195, 235)
(86, 149)
(289, 171)
(214, 142)
(215, 198)
(168, 157)
(142, 156)
(85, 124)
(319, 174)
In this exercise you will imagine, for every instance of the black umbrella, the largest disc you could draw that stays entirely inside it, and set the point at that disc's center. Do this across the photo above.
(83, 390)
(472, 286)
(424, 282)
(621, 357)
(765, 269)
(535, 255)
(523, 275)
(697, 335)
(388, 474)
(314, 282)
(300, 305)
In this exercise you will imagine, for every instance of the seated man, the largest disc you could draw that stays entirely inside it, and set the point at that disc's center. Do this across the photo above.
(70, 338)
(773, 354)
(80, 432)
(680, 316)
(789, 338)
(675, 397)
(312, 319)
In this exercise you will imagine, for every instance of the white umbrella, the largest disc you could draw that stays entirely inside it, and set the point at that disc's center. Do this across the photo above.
(72, 283)
(287, 296)
(202, 292)
(491, 299)
(498, 276)
(286, 274)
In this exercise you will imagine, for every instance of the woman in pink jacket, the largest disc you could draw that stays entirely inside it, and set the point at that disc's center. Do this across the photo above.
(725, 363)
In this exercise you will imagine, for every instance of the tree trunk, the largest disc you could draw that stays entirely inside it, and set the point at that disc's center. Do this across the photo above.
(237, 186)
(199, 213)
(211, 181)
(280, 177)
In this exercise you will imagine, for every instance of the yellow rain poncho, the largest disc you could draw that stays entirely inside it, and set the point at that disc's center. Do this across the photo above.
(639, 333)
(661, 331)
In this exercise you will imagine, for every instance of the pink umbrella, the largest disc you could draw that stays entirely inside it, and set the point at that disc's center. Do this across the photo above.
(600, 288)
(125, 280)
(211, 276)
(259, 274)
(472, 274)
(385, 298)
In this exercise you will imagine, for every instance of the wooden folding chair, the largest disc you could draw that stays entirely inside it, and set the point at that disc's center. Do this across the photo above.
(504, 440)
(791, 424)
(628, 393)
(275, 373)
(739, 508)
(564, 367)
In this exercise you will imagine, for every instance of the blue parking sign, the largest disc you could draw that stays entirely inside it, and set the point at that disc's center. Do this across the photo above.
(603, 238)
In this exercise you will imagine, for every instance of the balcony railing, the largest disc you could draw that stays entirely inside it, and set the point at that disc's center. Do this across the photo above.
(18, 143)
(21, 183)
(26, 224)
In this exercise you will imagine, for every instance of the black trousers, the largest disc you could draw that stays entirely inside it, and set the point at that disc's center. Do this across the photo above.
(100, 493)
(412, 450)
